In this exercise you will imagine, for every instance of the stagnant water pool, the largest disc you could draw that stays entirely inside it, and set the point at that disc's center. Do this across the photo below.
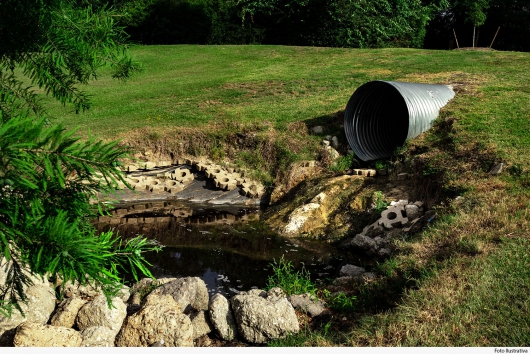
(228, 247)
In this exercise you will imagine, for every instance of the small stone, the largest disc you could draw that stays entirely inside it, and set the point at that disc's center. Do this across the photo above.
(374, 231)
(306, 304)
(384, 252)
(333, 153)
(351, 270)
(412, 211)
(497, 169)
(362, 242)
(325, 143)
(335, 142)
(402, 176)
(318, 130)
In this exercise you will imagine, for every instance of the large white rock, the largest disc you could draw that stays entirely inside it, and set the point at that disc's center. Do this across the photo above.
(222, 317)
(262, 318)
(37, 335)
(189, 292)
(97, 313)
(38, 308)
(98, 337)
(66, 312)
(160, 318)
(298, 218)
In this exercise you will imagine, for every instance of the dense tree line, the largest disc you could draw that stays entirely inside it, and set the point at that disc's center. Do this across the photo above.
(339, 23)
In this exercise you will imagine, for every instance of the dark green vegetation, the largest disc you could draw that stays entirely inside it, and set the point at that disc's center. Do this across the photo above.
(341, 23)
(48, 176)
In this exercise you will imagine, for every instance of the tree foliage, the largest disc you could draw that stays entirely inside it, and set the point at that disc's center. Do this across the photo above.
(341, 23)
(512, 16)
(47, 175)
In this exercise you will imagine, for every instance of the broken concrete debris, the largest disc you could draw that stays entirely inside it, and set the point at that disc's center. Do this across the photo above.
(400, 217)
(173, 179)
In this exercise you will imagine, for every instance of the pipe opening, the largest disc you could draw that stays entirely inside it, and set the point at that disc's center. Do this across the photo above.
(382, 115)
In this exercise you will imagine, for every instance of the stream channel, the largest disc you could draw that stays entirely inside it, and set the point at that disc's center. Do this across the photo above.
(225, 245)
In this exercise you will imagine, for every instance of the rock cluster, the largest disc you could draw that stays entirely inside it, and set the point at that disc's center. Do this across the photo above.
(331, 144)
(400, 217)
(165, 312)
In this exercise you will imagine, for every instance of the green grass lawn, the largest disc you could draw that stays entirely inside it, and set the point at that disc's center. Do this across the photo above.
(469, 271)
(190, 85)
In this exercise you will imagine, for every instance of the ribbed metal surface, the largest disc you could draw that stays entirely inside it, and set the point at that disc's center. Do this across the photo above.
(382, 115)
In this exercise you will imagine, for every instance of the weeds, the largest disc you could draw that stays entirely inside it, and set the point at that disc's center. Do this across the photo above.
(291, 281)
(379, 201)
(381, 164)
(340, 302)
(342, 163)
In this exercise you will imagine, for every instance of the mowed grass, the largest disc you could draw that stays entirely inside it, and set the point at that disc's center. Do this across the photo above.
(465, 280)
(190, 85)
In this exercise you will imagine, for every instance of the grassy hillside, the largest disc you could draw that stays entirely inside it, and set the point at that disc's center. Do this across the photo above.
(462, 282)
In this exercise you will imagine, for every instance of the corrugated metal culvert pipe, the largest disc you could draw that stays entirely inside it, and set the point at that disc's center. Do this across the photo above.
(382, 115)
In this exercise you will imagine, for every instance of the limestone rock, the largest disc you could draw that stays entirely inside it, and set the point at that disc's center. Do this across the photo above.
(334, 154)
(189, 292)
(412, 211)
(222, 317)
(335, 142)
(201, 324)
(363, 242)
(70, 289)
(125, 293)
(384, 252)
(298, 218)
(66, 312)
(98, 336)
(97, 313)
(304, 303)
(31, 334)
(350, 270)
(373, 230)
(40, 305)
(160, 319)
(260, 319)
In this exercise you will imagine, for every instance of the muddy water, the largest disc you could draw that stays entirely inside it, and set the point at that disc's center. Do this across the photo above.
(228, 247)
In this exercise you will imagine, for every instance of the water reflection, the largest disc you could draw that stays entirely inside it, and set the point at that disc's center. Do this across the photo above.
(229, 248)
